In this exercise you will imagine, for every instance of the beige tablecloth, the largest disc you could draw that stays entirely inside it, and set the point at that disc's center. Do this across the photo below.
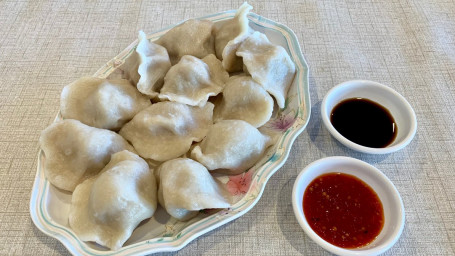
(406, 44)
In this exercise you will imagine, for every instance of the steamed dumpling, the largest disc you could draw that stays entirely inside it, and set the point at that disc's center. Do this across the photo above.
(147, 66)
(231, 146)
(229, 37)
(192, 81)
(102, 103)
(192, 37)
(166, 130)
(75, 152)
(244, 99)
(269, 65)
(186, 187)
(107, 208)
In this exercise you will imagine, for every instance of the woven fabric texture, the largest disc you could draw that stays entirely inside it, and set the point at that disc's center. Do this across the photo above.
(408, 45)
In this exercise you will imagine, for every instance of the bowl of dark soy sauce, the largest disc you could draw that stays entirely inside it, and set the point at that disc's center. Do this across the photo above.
(368, 117)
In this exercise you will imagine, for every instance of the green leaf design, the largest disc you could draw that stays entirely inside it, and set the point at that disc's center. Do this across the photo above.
(274, 157)
(287, 100)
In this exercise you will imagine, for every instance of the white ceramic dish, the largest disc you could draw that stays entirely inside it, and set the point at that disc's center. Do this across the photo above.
(394, 215)
(400, 109)
(49, 206)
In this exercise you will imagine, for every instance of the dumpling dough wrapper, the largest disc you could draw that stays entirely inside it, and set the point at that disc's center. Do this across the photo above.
(166, 130)
(186, 187)
(231, 146)
(102, 103)
(107, 208)
(270, 65)
(192, 81)
(244, 99)
(192, 37)
(75, 151)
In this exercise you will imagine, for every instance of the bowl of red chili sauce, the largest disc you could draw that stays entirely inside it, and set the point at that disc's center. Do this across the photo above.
(348, 206)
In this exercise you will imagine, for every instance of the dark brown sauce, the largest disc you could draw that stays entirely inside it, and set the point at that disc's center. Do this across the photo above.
(364, 122)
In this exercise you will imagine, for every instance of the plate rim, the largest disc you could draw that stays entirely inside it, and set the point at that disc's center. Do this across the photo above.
(67, 237)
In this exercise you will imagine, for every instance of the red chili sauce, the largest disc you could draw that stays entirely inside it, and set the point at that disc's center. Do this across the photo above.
(343, 210)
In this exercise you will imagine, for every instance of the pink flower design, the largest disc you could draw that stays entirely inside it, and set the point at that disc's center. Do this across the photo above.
(209, 211)
(283, 122)
(239, 184)
(117, 63)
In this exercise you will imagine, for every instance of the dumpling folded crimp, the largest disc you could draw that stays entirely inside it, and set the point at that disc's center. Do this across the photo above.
(192, 81)
(102, 103)
(230, 35)
(244, 99)
(231, 147)
(166, 130)
(186, 186)
(270, 65)
(75, 151)
(107, 208)
(147, 66)
(192, 37)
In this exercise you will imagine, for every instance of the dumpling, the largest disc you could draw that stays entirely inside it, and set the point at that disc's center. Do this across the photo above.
(107, 208)
(269, 65)
(102, 103)
(75, 152)
(192, 81)
(229, 37)
(186, 187)
(231, 146)
(166, 130)
(244, 99)
(192, 37)
(147, 66)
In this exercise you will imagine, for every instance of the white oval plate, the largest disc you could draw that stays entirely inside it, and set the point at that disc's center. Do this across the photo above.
(49, 206)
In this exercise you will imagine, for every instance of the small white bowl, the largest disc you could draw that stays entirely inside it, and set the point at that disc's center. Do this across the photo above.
(384, 188)
(400, 109)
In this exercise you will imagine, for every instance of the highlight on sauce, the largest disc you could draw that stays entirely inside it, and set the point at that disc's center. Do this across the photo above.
(343, 210)
(364, 122)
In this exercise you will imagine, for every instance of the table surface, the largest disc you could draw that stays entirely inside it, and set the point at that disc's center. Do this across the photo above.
(406, 44)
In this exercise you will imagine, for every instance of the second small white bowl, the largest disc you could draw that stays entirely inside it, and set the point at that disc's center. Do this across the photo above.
(394, 215)
(398, 106)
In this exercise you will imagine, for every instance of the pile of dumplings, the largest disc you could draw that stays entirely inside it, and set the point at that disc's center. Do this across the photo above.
(188, 105)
